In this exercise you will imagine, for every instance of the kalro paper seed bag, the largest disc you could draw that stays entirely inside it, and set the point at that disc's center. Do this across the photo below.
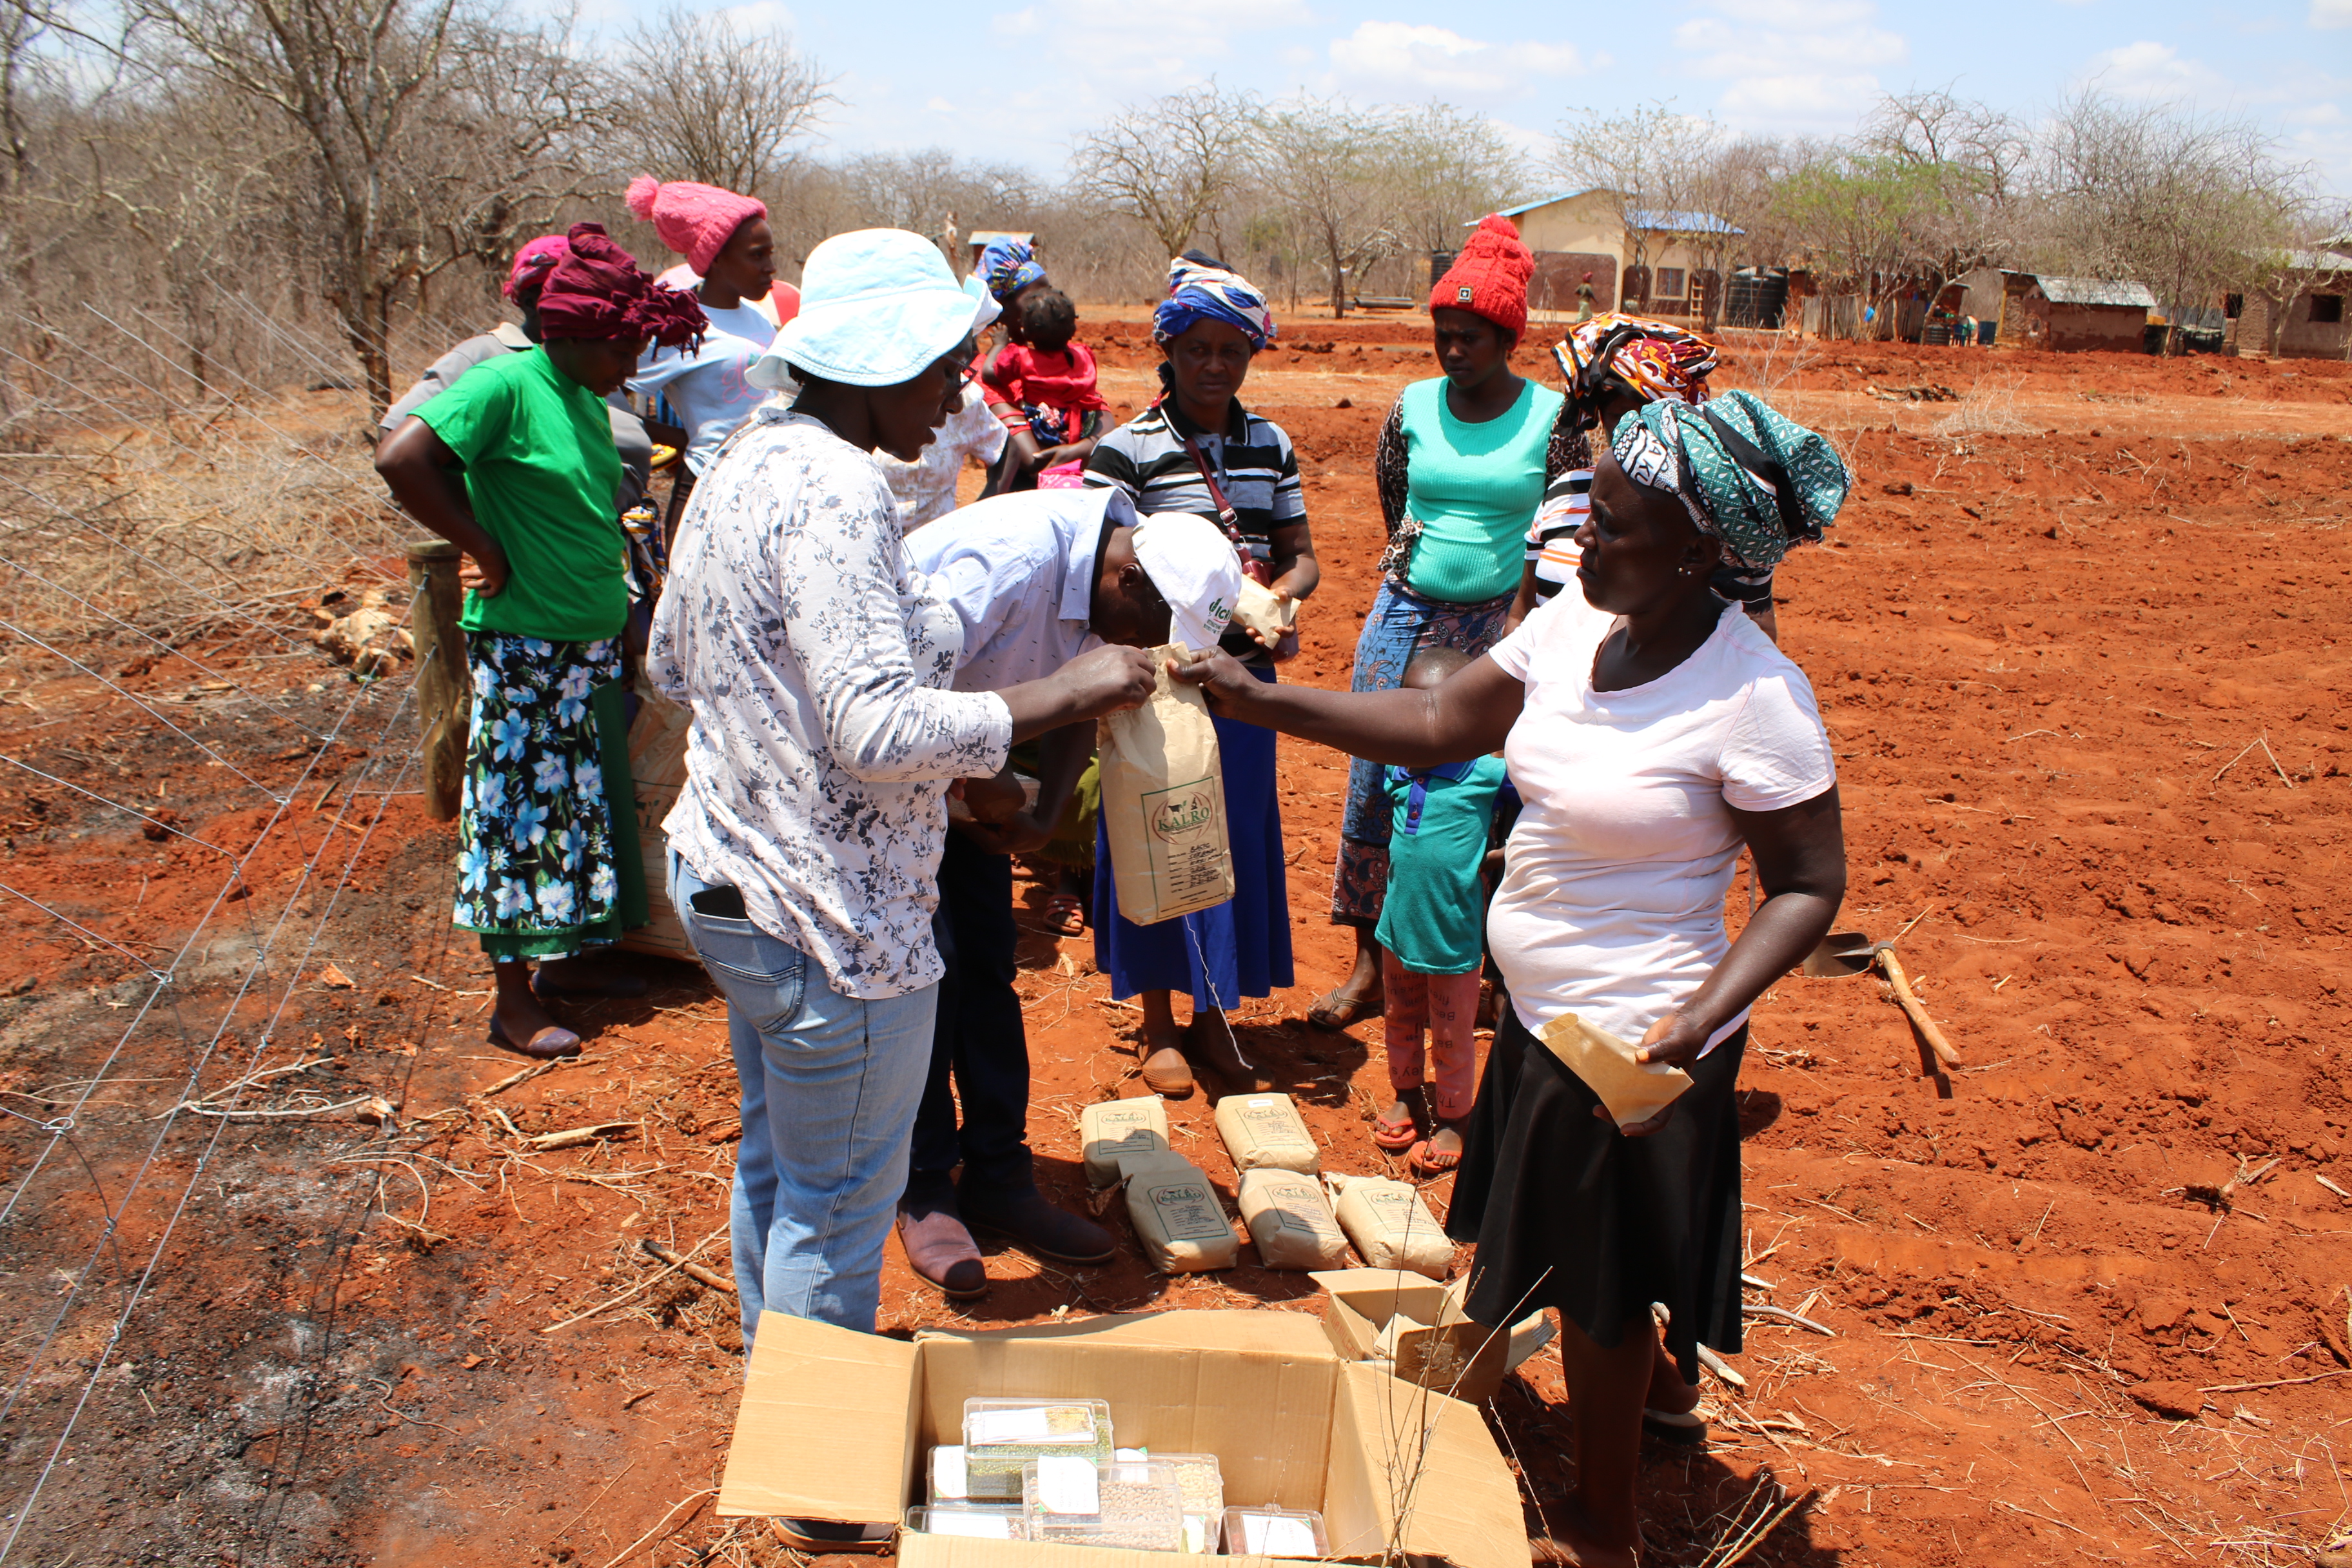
(1163, 803)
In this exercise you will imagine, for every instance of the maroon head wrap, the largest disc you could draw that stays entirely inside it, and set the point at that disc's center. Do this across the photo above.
(596, 290)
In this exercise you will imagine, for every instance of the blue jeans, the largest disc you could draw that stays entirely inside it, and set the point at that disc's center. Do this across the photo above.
(830, 1086)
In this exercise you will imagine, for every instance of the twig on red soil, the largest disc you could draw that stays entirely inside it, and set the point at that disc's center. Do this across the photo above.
(572, 1137)
(558, 1533)
(631, 1549)
(513, 1078)
(247, 1081)
(717, 1281)
(2276, 1383)
(2043, 1517)
(1761, 1310)
(1721, 1368)
(640, 1286)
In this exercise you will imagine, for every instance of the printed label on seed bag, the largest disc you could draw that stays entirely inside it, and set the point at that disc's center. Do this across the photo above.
(1189, 1212)
(1189, 862)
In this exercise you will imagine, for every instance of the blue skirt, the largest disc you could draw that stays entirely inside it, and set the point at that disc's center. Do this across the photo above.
(1237, 949)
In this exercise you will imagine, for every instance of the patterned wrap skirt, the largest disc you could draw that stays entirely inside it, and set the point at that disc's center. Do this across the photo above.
(541, 855)
(1400, 625)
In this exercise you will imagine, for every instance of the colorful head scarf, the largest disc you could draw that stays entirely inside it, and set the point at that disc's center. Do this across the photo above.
(596, 290)
(532, 262)
(1749, 477)
(1200, 289)
(1007, 266)
(1633, 356)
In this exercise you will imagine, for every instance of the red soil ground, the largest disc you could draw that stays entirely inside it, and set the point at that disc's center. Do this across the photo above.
(2083, 658)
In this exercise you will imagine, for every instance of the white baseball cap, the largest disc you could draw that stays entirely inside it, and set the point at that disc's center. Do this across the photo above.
(1193, 564)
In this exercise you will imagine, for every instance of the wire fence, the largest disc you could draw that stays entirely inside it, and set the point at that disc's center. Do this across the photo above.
(186, 527)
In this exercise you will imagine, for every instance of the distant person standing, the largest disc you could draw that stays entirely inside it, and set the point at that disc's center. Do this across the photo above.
(726, 239)
(515, 466)
(1584, 299)
(524, 279)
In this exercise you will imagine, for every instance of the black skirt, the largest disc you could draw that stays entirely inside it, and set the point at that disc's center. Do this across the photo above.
(1569, 1213)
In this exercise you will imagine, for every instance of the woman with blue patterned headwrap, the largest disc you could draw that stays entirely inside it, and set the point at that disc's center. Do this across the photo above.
(1009, 268)
(1196, 449)
(1653, 732)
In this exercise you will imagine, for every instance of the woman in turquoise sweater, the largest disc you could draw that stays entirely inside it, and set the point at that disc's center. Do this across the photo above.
(1462, 464)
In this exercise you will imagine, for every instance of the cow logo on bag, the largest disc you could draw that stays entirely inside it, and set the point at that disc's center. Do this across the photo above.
(1181, 816)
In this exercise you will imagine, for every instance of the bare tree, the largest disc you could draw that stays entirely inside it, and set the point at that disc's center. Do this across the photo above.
(1651, 165)
(2178, 200)
(1446, 168)
(707, 102)
(1324, 164)
(1972, 158)
(1170, 164)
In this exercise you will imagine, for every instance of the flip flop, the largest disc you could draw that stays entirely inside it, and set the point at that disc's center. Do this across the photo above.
(1685, 1428)
(1332, 1011)
(550, 1043)
(616, 987)
(1396, 1137)
(1430, 1162)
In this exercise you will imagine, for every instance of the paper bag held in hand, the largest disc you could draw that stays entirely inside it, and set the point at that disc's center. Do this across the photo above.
(1633, 1090)
(1264, 612)
(1163, 803)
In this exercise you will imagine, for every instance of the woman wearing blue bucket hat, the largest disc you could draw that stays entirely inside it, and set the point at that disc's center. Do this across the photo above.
(806, 845)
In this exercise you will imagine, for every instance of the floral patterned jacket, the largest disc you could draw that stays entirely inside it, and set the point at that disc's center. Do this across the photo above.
(816, 661)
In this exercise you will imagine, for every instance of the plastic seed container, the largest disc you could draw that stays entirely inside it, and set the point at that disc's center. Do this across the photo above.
(1274, 1532)
(1137, 1504)
(1203, 1485)
(951, 1480)
(984, 1521)
(1001, 1435)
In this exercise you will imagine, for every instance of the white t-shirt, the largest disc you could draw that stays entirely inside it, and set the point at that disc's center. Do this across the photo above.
(706, 387)
(926, 487)
(1613, 881)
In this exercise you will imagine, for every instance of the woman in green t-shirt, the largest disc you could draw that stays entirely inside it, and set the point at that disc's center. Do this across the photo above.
(1461, 467)
(515, 464)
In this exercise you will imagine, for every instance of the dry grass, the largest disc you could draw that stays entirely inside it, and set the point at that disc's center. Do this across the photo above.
(1989, 407)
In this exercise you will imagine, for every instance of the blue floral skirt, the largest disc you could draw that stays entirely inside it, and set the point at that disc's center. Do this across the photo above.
(540, 871)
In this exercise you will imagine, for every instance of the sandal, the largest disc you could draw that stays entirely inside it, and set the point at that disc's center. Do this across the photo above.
(1335, 1010)
(1685, 1428)
(1066, 914)
(1396, 1137)
(1428, 1160)
(550, 1043)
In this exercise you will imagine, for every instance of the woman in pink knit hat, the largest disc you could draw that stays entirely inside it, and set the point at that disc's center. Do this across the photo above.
(726, 240)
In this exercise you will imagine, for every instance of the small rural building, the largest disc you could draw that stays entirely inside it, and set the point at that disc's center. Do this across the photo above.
(1585, 231)
(2043, 311)
(2313, 325)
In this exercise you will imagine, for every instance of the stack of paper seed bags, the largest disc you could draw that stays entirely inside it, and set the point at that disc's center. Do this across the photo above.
(1046, 1470)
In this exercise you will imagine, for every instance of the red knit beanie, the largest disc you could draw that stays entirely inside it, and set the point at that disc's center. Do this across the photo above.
(1489, 278)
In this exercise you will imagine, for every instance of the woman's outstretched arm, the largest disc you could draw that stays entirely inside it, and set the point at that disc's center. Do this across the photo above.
(1467, 717)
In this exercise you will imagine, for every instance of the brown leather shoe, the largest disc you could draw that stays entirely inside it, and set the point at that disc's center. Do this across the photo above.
(1036, 1226)
(1166, 1073)
(940, 1248)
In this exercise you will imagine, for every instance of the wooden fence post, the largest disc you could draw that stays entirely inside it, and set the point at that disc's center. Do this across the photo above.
(444, 693)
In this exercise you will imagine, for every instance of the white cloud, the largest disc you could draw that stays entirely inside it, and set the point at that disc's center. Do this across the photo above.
(756, 17)
(1132, 43)
(2331, 13)
(1417, 58)
(940, 106)
(1786, 64)
(2149, 69)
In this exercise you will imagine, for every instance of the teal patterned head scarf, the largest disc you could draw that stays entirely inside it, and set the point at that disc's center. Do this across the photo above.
(1756, 480)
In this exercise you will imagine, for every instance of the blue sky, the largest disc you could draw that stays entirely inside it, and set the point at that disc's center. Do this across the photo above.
(1017, 79)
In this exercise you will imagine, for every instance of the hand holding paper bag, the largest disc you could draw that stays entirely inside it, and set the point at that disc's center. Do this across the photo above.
(1630, 1091)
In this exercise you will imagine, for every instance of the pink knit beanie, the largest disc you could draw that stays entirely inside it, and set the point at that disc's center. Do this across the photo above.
(695, 221)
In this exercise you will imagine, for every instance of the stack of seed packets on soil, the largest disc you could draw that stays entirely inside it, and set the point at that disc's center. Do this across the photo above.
(1069, 1486)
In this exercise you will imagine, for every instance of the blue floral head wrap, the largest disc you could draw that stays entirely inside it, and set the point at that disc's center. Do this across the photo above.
(1748, 475)
(1008, 266)
(1200, 289)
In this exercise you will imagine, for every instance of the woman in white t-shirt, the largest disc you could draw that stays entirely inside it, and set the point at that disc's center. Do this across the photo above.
(1652, 732)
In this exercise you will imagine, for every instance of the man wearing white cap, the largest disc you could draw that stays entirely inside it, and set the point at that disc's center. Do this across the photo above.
(1038, 579)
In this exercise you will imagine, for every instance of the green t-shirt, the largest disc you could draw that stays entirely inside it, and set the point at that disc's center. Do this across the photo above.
(541, 470)
(1474, 487)
(1434, 916)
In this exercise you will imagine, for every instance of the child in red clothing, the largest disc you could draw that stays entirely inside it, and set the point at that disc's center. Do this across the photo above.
(1042, 385)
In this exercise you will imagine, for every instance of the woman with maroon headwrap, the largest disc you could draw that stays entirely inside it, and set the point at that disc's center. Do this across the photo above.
(515, 464)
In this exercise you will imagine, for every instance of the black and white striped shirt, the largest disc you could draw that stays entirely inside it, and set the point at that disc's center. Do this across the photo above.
(1253, 461)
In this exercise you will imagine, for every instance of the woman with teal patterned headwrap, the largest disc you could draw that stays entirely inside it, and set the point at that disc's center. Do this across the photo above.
(1653, 732)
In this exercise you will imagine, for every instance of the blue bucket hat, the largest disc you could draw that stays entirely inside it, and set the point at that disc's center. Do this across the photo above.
(877, 306)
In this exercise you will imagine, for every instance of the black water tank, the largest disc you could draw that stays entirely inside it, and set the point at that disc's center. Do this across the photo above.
(1757, 297)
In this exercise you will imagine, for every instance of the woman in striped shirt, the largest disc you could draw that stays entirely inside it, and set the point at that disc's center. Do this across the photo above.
(1196, 449)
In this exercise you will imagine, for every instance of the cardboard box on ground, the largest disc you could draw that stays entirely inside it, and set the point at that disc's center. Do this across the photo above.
(1416, 1329)
(834, 1425)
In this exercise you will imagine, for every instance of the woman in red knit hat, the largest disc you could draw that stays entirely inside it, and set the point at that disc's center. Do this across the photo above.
(1462, 464)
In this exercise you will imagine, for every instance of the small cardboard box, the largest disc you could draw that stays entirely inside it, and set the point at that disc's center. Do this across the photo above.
(834, 1425)
(1439, 1349)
